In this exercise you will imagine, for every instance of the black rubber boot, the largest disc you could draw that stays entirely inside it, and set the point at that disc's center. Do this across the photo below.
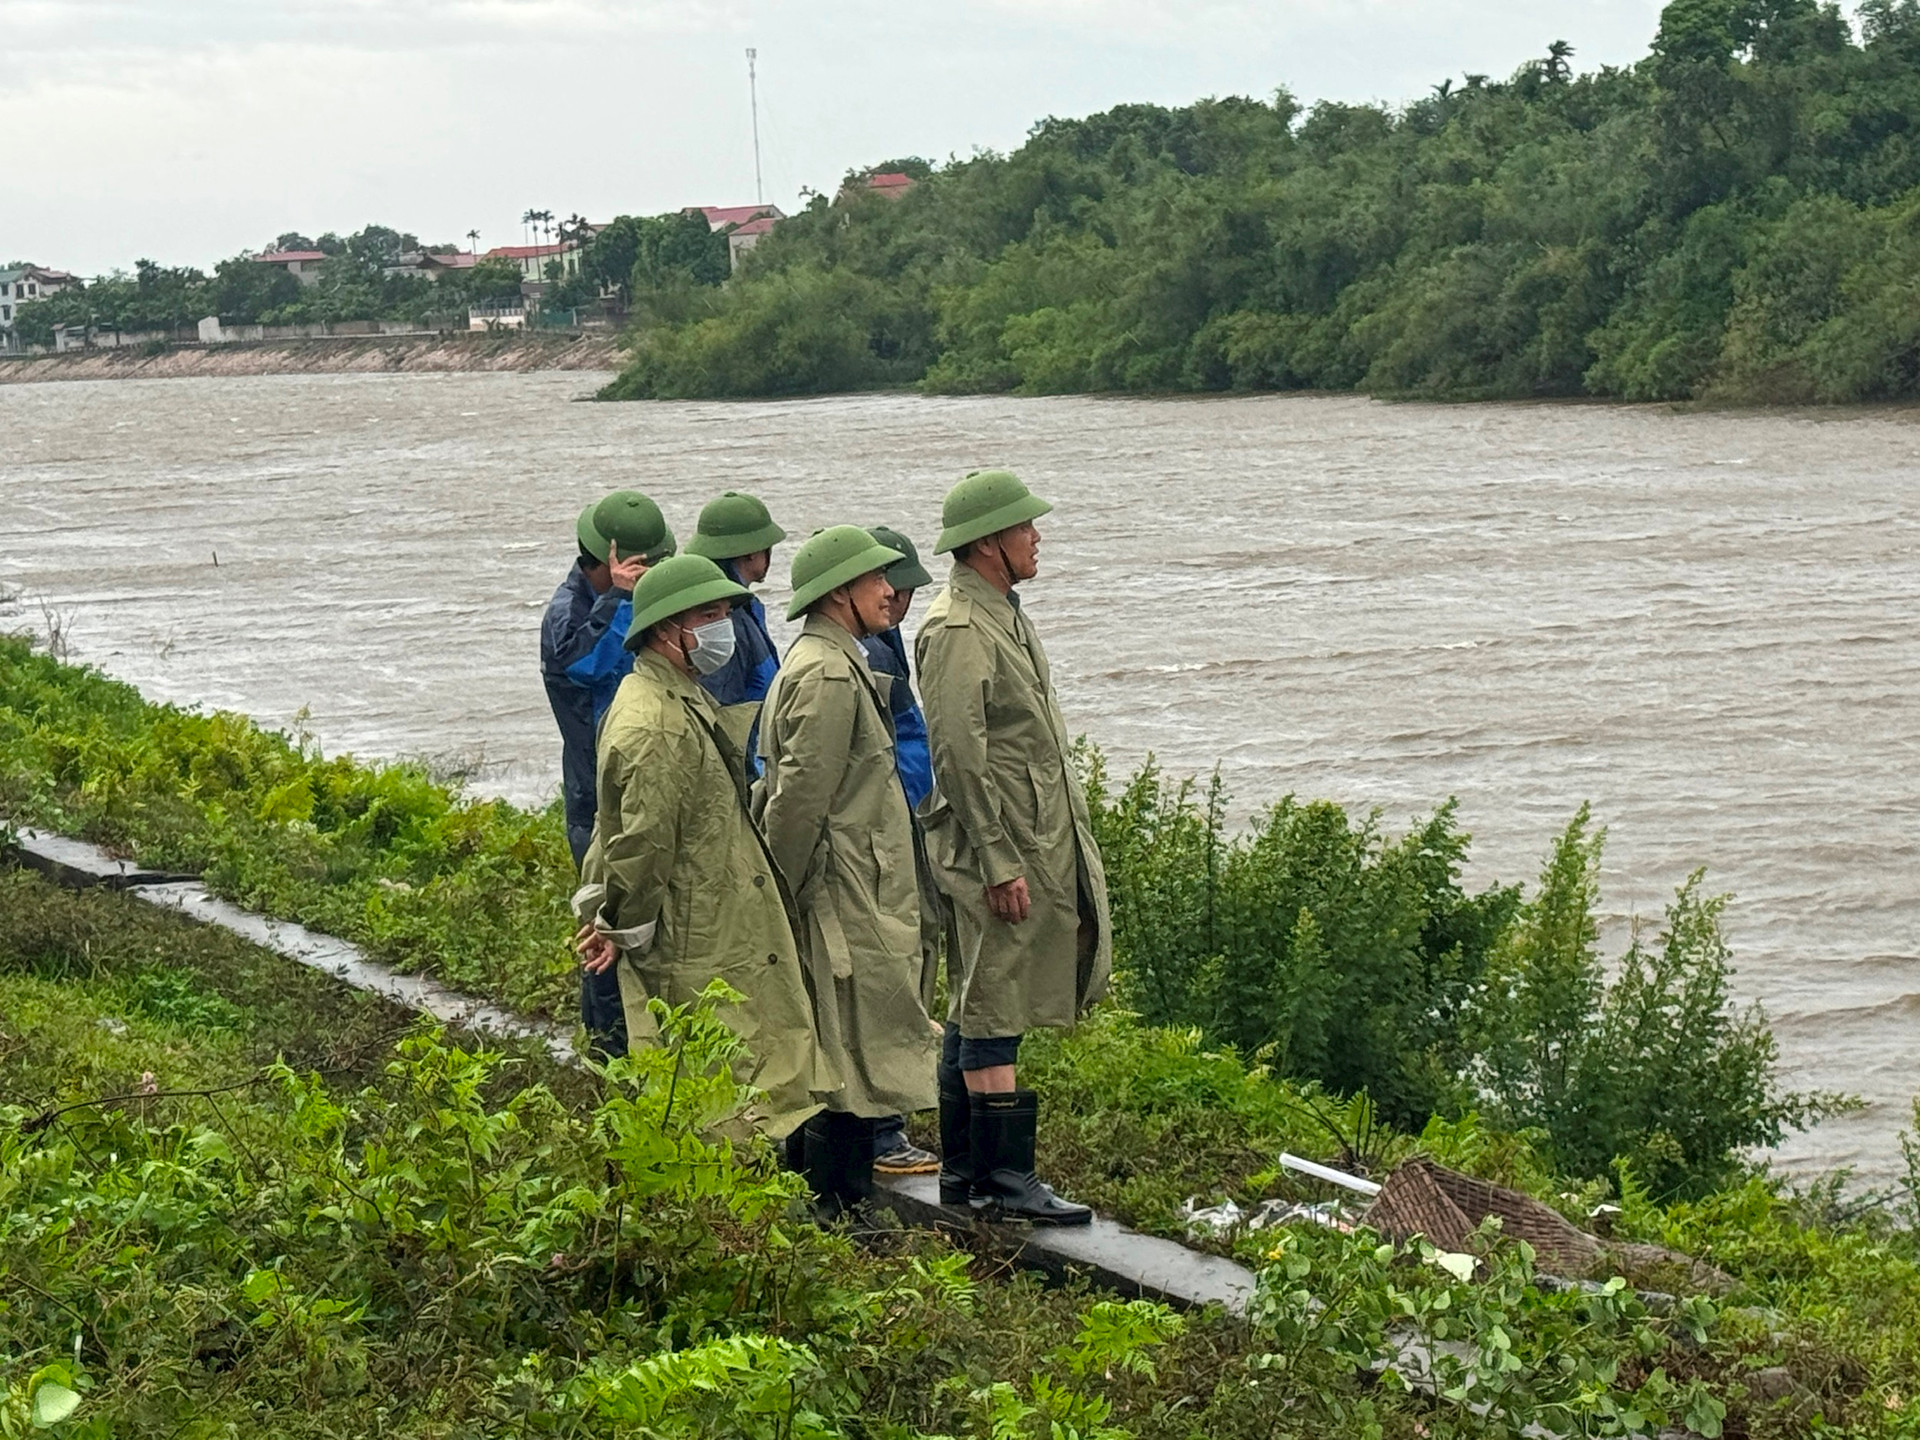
(839, 1162)
(850, 1145)
(793, 1149)
(956, 1138)
(809, 1142)
(1004, 1185)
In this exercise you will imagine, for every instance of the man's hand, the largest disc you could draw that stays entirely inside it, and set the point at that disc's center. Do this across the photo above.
(595, 950)
(626, 573)
(1010, 902)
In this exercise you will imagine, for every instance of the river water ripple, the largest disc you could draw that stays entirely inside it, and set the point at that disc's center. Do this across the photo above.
(1704, 624)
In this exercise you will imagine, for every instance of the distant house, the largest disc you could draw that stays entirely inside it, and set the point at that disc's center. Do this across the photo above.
(303, 265)
(534, 259)
(437, 265)
(743, 238)
(743, 224)
(887, 184)
(719, 217)
(23, 283)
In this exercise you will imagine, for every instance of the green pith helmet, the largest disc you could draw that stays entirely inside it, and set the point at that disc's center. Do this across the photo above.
(830, 559)
(909, 574)
(985, 503)
(632, 521)
(684, 582)
(733, 525)
(592, 542)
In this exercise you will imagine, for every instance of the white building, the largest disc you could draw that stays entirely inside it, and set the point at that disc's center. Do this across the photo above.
(22, 284)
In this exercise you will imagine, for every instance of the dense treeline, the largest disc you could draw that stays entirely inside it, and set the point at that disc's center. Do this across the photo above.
(1737, 217)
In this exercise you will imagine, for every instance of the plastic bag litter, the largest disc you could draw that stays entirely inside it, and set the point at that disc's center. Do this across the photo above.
(1228, 1218)
(1221, 1219)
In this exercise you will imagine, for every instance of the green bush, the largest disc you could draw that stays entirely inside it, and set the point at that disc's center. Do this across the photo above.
(1317, 946)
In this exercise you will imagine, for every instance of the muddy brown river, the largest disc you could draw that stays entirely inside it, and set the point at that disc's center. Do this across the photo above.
(1705, 624)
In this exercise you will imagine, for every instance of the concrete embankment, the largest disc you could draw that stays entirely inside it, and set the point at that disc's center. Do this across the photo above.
(354, 355)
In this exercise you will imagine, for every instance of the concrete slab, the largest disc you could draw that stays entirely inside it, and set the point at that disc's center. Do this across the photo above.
(76, 863)
(1108, 1254)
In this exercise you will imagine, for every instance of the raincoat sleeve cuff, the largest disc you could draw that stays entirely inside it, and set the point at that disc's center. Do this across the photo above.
(586, 904)
(1000, 862)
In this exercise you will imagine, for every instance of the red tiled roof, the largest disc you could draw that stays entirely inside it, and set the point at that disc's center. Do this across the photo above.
(720, 216)
(281, 257)
(529, 252)
(759, 226)
(891, 180)
(458, 260)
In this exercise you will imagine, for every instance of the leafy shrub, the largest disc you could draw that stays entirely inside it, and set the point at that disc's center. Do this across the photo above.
(1656, 1069)
(1317, 946)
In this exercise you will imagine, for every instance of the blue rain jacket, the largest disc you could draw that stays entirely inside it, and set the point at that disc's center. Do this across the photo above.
(887, 654)
(576, 621)
(600, 671)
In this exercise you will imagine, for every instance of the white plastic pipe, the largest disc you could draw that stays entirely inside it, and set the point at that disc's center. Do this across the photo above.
(1329, 1174)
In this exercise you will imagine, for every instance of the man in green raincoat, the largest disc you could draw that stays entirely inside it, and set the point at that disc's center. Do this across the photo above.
(1010, 841)
(836, 820)
(678, 888)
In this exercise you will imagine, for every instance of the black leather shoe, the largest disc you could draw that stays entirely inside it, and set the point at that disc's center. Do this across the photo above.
(956, 1138)
(1004, 1186)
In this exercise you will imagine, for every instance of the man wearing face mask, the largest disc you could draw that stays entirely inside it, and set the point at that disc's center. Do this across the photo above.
(678, 888)
(1011, 842)
(836, 821)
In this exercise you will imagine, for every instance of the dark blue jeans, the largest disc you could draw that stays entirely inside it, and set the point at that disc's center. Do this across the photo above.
(602, 1014)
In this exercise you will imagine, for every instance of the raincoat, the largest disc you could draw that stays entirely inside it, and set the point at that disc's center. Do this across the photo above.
(837, 823)
(1007, 804)
(680, 879)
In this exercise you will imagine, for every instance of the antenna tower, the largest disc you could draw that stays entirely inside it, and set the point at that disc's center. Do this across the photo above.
(753, 94)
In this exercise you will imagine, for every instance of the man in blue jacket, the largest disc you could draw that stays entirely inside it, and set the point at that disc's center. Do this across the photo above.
(619, 537)
(893, 1153)
(737, 534)
(887, 654)
(631, 523)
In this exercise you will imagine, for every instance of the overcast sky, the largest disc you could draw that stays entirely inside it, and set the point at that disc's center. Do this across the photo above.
(192, 129)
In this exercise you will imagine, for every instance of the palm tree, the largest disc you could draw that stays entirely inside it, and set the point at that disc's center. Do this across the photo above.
(1559, 53)
(473, 243)
(527, 221)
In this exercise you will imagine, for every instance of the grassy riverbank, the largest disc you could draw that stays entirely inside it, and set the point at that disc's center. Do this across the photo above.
(370, 1319)
(367, 355)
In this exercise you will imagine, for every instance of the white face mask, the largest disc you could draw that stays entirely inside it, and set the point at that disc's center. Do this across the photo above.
(713, 645)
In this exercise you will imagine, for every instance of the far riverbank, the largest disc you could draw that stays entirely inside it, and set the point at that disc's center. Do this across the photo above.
(357, 355)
